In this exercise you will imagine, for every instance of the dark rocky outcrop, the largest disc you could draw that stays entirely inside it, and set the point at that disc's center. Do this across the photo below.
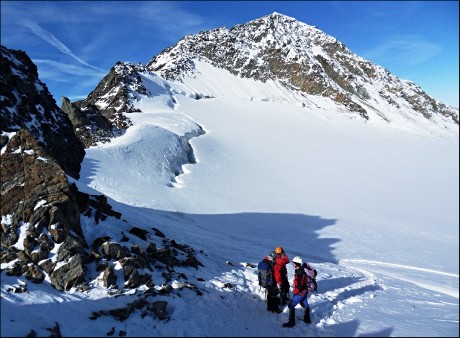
(39, 149)
(109, 277)
(70, 275)
(27, 105)
(36, 194)
(89, 124)
(102, 115)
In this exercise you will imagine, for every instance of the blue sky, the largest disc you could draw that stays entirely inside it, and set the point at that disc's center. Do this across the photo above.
(75, 43)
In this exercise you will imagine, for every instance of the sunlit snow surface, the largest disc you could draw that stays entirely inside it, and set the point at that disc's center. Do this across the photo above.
(372, 205)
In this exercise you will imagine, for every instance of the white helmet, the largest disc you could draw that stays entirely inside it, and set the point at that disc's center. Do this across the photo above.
(297, 260)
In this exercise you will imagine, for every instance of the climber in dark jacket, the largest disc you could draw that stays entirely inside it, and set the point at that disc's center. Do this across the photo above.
(272, 292)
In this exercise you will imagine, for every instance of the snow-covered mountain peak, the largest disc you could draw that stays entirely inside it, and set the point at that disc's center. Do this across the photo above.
(275, 33)
(307, 61)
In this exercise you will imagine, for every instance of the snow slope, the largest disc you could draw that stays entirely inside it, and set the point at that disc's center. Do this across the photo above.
(372, 205)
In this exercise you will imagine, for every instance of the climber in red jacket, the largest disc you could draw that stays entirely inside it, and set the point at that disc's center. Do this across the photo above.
(280, 271)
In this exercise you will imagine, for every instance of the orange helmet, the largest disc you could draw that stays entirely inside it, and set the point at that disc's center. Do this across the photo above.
(278, 249)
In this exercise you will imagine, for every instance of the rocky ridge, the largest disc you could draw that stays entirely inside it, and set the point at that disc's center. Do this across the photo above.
(101, 116)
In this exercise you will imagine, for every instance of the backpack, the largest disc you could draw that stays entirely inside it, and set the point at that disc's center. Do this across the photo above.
(311, 273)
(265, 274)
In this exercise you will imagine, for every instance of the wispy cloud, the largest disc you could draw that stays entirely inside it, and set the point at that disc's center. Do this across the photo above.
(169, 17)
(409, 50)
(73, 81)
(53, 41)
(64, 72)
(400, 10)
(63, 37)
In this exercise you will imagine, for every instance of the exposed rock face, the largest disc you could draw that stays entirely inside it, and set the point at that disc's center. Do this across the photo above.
(70, 275)
(89, 124)
(37, 197)
(119, 88)
(302, 58)
(30, 178)
(27, 104)
(38, 149)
